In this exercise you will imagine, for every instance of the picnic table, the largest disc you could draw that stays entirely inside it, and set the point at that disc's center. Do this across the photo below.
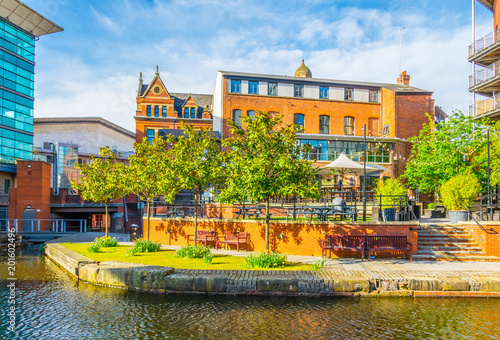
(323, 213)
(180, 212)
(251, 211)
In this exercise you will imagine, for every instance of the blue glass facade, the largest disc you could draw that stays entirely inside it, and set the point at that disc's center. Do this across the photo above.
(17, 55)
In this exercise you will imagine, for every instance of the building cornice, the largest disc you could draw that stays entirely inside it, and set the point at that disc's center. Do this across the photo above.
(83, 120)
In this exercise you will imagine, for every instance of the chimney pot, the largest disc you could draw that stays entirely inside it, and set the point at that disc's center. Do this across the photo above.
(404, 79)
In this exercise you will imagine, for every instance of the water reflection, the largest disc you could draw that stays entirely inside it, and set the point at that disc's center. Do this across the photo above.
(52, 305)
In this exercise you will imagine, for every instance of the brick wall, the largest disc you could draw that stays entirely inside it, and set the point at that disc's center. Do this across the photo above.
(488, 241)
(411, 110)
(299, 238)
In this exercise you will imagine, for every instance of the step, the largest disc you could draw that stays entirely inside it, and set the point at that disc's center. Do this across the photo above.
(447, 248)
(455, 258)
(450, 234)
(443, 228)
(451, 252)
(445, 239)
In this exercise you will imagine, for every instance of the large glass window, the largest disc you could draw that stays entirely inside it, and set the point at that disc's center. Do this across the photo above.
(373, 96)
(253, 87)
(157, 111)
(377, 152)
(324, 124)
(298, 90)
(235, 86)
(150, 135)
(67, 157)
(298, 120)
(193, 113)
(148, 110)
(17, 41)
(237, 117)
(348, 94)
(164, 111)
(349, 125)
(272, 89)
(323, 92)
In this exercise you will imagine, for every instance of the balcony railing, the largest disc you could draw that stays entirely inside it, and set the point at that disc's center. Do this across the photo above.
(484, 106)
(484, 42)
(484, 74)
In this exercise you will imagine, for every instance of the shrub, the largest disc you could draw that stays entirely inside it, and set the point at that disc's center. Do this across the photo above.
(459, 186)
(197, 251)
(208, 258)
(94, 247)
(388, 187)
(141, 246)
(131, 251)
(266, 259)
(106, 241)
(318, 264)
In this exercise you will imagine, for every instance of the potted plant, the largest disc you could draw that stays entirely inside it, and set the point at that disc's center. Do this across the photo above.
(453, 193)
(387, 192)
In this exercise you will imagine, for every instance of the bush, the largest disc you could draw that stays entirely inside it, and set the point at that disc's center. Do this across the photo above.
(266, 259)
(197, 251)
(131, 251)
(388, 187)
(106, 241)
(141, 246)
(318, 264)
(459, 186)
(208, 258)
(94, 247)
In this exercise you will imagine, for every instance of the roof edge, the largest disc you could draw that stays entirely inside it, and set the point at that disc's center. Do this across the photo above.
(82, 120)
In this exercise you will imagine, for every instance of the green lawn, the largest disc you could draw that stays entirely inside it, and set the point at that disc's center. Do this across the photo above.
(166, 258)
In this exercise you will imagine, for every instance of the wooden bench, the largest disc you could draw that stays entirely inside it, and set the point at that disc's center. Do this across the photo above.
(204, 236)
(344, 242)
(233, 237)
(377, 244)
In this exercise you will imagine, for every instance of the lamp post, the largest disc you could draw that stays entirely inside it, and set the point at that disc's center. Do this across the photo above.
(489, 192)
(364, 172)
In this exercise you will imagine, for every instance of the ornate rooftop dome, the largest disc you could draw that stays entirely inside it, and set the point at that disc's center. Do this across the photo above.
(303, 71)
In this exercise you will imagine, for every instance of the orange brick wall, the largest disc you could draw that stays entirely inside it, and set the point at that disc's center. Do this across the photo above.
(299, 238)
(496, 14)
(388, 115)
(491, 243)
(411, 110)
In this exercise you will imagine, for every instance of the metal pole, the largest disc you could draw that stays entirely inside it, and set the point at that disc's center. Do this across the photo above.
(364, 173)
(473, 52)
(489, 188)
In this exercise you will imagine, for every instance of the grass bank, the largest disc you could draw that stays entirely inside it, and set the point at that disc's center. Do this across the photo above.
(167, 258)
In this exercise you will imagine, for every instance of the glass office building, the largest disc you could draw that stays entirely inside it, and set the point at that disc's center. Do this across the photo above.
(20, 26)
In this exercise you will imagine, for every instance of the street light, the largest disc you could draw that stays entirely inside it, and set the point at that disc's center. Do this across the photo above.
(364, 172)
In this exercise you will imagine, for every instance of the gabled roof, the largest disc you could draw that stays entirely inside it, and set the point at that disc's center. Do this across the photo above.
(19, 14)
(331, 82)
(146, 88)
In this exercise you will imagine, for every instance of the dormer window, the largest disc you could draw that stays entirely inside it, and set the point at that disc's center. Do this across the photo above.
(298, 90)
(323, 92)
(193, 113)
(272, 89)
(253, 87)
(348, 94)
(235, 86)
(186, 112)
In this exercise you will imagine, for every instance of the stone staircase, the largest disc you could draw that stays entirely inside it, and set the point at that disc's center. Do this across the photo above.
(448, 243)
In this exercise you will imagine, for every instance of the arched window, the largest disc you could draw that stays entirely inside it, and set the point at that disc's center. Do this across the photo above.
(251, 114)
(324, 124)
(237, 117)
(349, 125)
(298, 120)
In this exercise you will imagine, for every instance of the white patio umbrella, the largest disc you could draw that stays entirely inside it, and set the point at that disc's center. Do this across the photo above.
(343, 165)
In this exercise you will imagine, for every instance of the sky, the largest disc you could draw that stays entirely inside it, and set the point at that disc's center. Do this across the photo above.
(92, 67)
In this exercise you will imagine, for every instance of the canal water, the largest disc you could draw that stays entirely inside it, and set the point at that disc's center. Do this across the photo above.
(51, 305)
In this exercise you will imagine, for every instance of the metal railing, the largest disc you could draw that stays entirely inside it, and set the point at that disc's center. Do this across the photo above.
(484, 42)
(484, 106)
(484, 74)
(467, 208)
(44, 225)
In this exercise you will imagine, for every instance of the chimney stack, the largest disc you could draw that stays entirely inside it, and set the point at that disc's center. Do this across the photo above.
(404, 79)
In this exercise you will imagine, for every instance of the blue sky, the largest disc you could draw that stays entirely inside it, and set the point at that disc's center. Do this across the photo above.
(92, 67)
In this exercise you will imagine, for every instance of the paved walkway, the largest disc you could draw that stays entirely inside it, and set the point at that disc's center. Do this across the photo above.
(376, 268)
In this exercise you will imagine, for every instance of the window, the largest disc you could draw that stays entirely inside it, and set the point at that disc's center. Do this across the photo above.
(253, 87)
(272, 89)
(323, 92)
(235, 86)
(385, 130)
(298, 90)
(348, 94)
(373, 96)
(164, 111)
(251, 114)
(237, 117)
(298, 120)
(6, 186)
(377, 152)
(193, 113)
(150, 135)
(186, 112)
(349, 125)
(324, 124)
(157, 111)
(148, 110)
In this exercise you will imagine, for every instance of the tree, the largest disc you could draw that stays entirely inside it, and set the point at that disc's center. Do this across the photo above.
(103, 179)
(440, 152)
(197, 163)
(151, 173)
(265, 162)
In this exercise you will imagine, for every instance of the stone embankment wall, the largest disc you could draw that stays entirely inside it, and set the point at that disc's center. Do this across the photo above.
(284, 283)
(289, 237)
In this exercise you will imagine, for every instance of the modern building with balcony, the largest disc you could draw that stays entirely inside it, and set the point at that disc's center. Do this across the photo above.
(484, 54)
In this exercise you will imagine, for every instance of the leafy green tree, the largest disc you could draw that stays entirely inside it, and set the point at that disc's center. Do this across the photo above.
(151, 173)
(266, 162)
(197, 163)
(457, 188)
(390, 187)
(103, 179)
(440, 152)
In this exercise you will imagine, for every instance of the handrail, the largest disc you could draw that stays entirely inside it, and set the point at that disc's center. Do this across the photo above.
(470, 214)
(408, 205)
(481, 107)
(484, 74)
(484, 42)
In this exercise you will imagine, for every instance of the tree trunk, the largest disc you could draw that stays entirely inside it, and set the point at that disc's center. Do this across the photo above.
(147, 227)
(267, 223)
(106, 217)
(195, 216)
